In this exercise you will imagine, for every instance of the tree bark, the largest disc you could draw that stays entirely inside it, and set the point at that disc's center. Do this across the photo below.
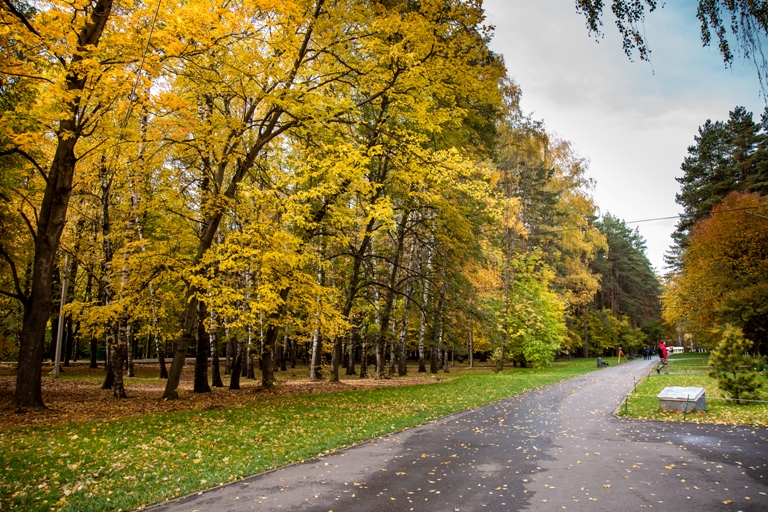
(284, 352)
(120, 352)
(434, 353)
(131, 350)
(94, 352)
(215, 370)
(402, 366)
(424, 301)
(433, 357)
(315, 361)
(586, 334)
(251, 365)
(351, 348)
(201, 353)
(115, 342)
(110, 357)
(228, 358)
(364, 354)
(471, 344)
(237, 361)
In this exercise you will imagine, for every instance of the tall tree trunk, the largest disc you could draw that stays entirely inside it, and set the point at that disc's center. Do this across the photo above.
(94, 352)
(402, 367)
(393, 352)
(351, 348)
(315, 361)
(114, 342)
(354, 281)
(424, 301)
(586, 334)
(336, 357)
(68, 336)
(386, 313)
(54, 321)
(120, 352)
(248, 371)
(270, 340)
(237, 362)
(131, 350)
(70, 345)
(160, 355)
(153, 307)
(109, 361)
(228, 357)
(436, 341)
(444, 335)
(55, 311)
(433, 358)
(284, 352)
(52, 217)
(94, 342)
(201, 352)
(214, 344)
(471, 344)
(364, 354)
(268, 357)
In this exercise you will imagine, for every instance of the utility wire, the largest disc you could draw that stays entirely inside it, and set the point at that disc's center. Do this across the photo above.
(651, 220)
(550, 232)
(710, 213)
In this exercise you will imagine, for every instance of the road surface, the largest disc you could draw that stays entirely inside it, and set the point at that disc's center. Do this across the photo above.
(555, 448)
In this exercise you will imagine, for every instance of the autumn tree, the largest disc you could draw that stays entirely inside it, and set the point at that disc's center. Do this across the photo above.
(723, 275)
(71, 78)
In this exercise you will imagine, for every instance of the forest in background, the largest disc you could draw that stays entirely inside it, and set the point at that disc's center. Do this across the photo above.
(348, 180)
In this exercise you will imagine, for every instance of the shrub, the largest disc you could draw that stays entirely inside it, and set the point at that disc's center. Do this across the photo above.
(732, 365)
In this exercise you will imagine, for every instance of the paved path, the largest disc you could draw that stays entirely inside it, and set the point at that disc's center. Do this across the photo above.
(556, 448)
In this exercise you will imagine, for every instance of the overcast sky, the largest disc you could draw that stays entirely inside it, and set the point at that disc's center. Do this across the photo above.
(633, 120)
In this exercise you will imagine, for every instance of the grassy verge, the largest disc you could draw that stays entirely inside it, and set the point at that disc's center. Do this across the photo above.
(127, 463)
(645, 405)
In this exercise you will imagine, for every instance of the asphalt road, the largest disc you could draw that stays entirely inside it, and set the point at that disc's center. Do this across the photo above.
(555, 448)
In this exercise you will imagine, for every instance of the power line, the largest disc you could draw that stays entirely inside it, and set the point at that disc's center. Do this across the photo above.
(710, 213)
(651, 220)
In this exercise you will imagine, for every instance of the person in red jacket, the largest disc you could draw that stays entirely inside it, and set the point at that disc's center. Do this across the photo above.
(663, 356)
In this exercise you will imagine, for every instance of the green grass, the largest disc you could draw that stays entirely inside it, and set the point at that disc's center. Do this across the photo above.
(646, 405)
(689, 362)
(126, 463)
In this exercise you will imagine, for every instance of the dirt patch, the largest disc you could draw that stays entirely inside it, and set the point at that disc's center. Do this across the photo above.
(79, 397)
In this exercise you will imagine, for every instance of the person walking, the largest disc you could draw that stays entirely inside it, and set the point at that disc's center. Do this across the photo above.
(663, 356)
